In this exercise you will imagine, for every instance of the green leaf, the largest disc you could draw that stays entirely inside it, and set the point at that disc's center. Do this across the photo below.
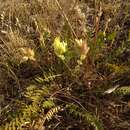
(111, 36)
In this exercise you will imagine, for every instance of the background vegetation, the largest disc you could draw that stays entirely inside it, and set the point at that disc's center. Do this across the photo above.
(64, 64)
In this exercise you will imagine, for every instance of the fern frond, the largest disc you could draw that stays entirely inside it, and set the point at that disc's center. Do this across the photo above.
(76, 111)
(124, 90)
(47, 104)
(52, 111)
(47, 77)
(29, 112)
(118, 69)
(92, 120)
(36, 94)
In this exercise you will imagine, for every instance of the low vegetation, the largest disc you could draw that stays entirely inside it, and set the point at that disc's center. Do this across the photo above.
(64, 65)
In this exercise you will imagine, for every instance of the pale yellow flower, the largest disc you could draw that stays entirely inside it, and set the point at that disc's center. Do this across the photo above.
(82, 48)
(27, 54)
(59, 47)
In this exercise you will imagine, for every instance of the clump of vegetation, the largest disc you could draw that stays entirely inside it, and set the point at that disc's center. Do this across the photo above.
(60, 62)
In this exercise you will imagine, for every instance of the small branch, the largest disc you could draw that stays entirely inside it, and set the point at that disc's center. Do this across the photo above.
(66, 18)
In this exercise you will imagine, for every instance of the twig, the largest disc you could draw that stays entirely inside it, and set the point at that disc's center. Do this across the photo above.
(66, 18)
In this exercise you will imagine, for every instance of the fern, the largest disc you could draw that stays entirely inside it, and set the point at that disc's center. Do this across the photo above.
(47, 77)
(34, 93)
(86, 116)
(48, 104)
(118, 69)
(28, 113)
(52, 111)
(124, 90)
